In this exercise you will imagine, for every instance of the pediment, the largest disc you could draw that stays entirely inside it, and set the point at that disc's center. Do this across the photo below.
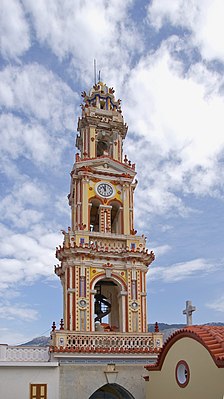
(105, 165)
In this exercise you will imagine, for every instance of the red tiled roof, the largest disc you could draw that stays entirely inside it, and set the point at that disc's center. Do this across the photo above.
(211, 337)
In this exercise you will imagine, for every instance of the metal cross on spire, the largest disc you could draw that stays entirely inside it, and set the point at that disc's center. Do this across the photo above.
(188, 311)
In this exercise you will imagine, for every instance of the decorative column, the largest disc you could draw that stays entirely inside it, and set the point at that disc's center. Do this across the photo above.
(92, 142)
(133, 285)
(79, 205)
(82, 301)
(131, 209)
(85, 208)
(92, 310)
(119, 149)
(126, 206)
(105, 218)
(115, 146)
(123, 314)
(67, 299)
(143, 301)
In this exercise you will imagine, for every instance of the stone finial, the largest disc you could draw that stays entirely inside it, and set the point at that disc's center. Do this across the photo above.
(61, 324)
(53, 326)
(156, 328)
(77, 157)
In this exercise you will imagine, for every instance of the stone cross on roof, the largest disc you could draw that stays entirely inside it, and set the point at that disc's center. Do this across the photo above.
(188, 311)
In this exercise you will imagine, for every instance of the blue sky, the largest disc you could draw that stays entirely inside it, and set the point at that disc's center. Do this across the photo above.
(165, 60)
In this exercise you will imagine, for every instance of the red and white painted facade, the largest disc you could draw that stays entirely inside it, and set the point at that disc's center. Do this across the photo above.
(101, 255)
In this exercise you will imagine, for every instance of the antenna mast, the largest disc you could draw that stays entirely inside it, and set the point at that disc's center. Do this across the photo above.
(95, 71)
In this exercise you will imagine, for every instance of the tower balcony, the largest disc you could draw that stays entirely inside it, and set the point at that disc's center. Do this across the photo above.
(105, 342)
(104, 241)
(96, 244)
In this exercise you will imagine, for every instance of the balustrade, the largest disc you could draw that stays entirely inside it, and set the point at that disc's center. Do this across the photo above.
(107, 342)
(112, 243)
(23, 354)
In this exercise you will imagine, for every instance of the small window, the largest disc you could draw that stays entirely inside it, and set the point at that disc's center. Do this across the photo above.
(38, 391)
(82, 241)
(132, 246)
(182, 373)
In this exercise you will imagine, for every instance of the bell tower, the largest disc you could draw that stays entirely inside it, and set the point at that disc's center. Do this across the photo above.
(103, 262)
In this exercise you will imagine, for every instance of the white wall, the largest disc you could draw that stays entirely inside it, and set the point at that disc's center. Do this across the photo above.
(15, 381)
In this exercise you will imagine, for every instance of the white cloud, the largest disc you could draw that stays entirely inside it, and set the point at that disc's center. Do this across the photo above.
(161, 249)
(85, 30)
(31, 193)
(26, 257)
(217, 305)
(61, 205)
(204, 20)
(29, 140)
(14, 29)
(180, 271)
(23, 205)
(38, 93)
(17, 311)
(165, 227)
(176, 112)
(37, 108)
(177, 131)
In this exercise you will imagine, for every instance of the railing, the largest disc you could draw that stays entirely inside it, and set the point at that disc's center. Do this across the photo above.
(113, 242)
(23, 354)
(63, 341)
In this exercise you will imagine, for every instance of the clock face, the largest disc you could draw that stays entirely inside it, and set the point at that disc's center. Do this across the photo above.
(105, 190)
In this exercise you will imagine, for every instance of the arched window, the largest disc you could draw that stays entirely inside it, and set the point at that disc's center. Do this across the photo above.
(94, 214)
(103, 144)
(115, 217)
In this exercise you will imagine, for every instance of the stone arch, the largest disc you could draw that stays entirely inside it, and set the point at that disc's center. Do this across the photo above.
(116, 216)
(117, 279)
(94, 219)
(111, 391)
(109, 302)
(103, 144)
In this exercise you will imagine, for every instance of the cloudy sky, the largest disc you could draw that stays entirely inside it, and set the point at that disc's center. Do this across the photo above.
(165, 60)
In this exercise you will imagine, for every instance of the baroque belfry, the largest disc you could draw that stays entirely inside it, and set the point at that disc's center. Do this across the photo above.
(102, 343)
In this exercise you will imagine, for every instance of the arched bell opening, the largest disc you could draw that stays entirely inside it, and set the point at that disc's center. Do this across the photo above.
(94, 214)
(103, 146)
(111, 391)
(116, 217)
(107, 305)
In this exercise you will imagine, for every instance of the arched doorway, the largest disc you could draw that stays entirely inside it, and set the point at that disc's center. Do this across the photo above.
(111, 391)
